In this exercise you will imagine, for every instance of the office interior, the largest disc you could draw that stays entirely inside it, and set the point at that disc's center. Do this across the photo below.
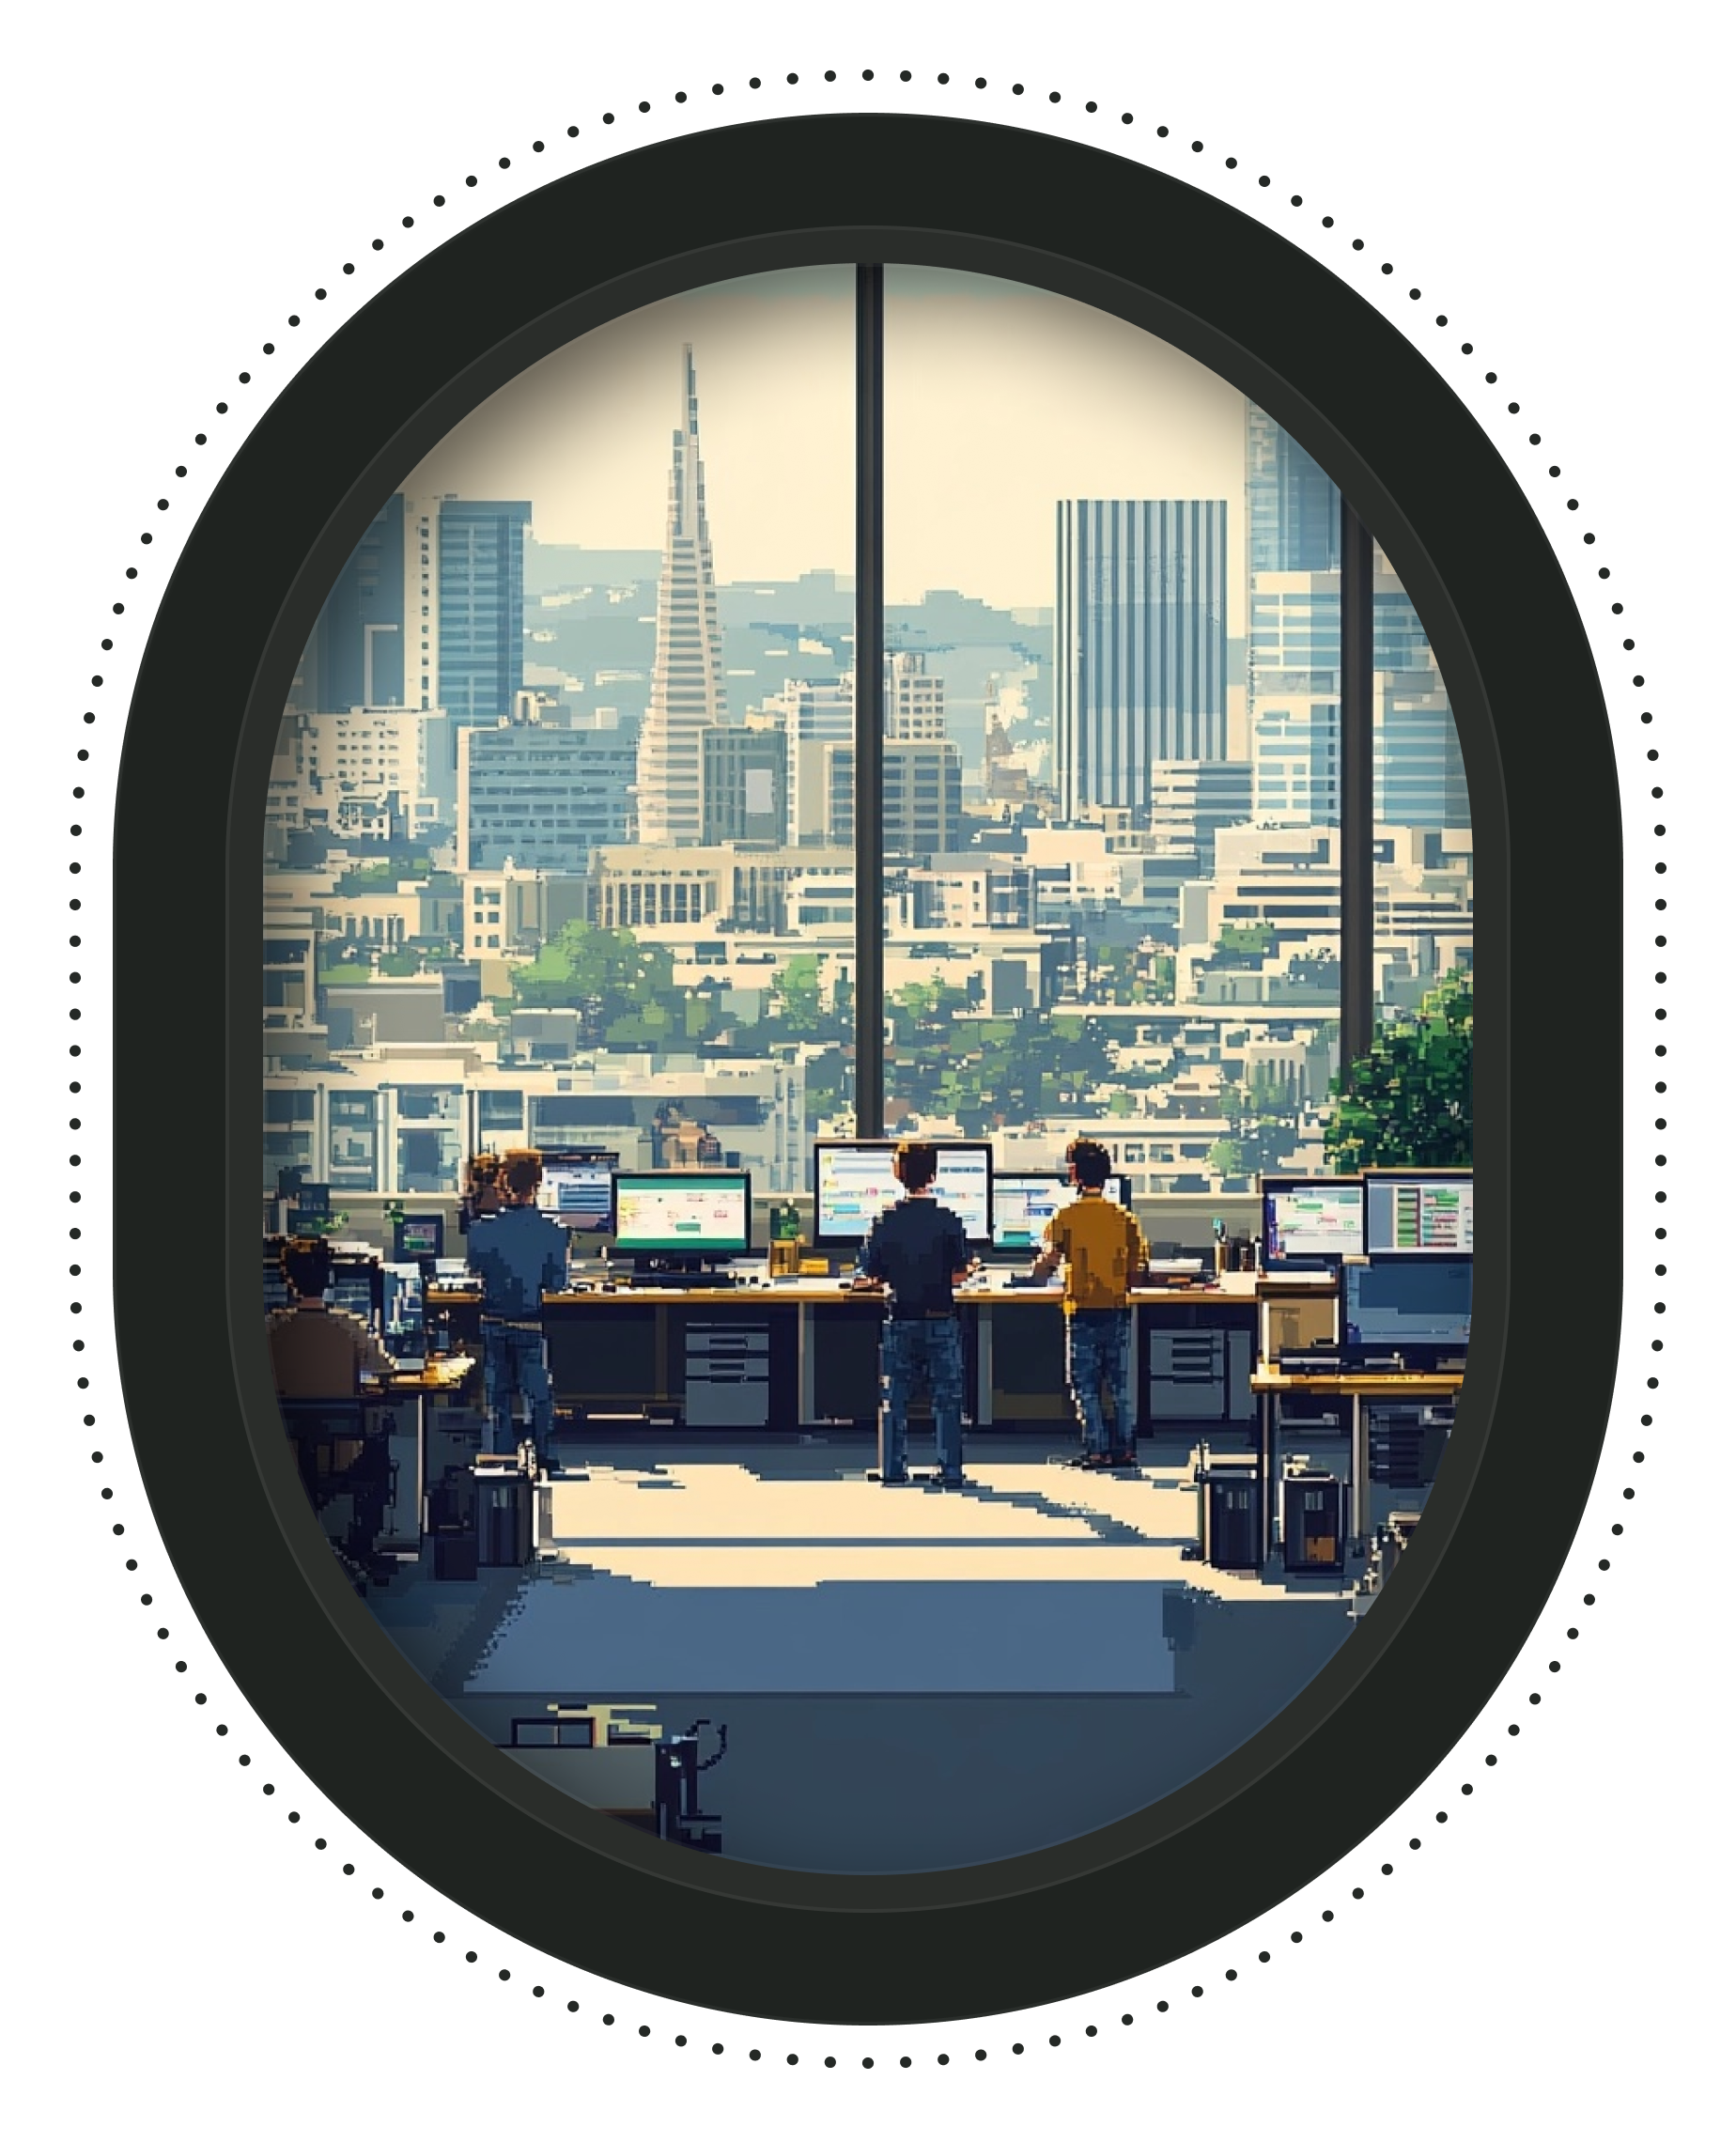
(697, 1607)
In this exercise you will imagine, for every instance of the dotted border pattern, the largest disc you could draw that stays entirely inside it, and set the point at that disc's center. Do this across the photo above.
(321, 1827)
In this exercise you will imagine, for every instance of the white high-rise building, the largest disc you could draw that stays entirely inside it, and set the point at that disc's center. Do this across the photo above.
(687, 674)
(915, 702)
(811, 715)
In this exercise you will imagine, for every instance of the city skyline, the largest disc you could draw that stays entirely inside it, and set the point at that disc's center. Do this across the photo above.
(584, 432)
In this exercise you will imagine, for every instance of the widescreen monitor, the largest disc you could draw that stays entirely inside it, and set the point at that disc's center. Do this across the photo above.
(418, 1234)
(853, 1184)
(702, 1213)
(1407, 1306)
(1309, 1223)
(1418, 1212)
(575, 1189)
(1025, 1204)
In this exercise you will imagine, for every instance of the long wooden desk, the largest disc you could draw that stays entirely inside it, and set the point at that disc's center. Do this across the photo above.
(805, 1352)
(1269, 1385)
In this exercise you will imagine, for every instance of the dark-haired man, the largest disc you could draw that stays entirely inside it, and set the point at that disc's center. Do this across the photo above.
(916, 1249)
(318, 1351)
(1105, 1254)
(518, 1254)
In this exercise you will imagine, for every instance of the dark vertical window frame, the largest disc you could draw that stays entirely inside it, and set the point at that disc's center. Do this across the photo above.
(1356, 788)
(870, 725)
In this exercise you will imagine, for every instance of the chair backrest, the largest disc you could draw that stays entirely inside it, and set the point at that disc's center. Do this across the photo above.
(323, 1420)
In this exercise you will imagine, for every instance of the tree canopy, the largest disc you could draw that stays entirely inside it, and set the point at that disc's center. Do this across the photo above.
(1408, 1104)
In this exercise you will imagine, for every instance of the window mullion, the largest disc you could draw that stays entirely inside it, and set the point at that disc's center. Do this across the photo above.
(869, 723)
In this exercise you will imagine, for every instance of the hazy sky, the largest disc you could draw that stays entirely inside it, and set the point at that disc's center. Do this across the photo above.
(999, 399)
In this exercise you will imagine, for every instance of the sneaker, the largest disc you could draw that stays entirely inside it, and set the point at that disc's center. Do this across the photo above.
(891, 1480)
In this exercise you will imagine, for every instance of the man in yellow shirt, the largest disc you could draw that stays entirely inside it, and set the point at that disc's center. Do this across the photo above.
(1105, 1254)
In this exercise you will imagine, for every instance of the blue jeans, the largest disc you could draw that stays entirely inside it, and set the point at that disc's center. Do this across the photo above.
(513, 1361)
(1098, 1360)
(930, 1350)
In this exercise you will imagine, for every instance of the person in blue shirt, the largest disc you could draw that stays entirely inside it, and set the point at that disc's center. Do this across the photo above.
(916, 1251)
(518, 1254)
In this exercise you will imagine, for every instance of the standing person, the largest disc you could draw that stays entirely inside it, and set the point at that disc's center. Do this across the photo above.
(1105, 1253)
(518, 1255)
(916, 1249)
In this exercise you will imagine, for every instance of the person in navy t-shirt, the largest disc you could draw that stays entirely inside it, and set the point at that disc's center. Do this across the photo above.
(916, 1249)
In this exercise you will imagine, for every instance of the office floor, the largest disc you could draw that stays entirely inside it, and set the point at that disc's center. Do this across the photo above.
(910, 1680)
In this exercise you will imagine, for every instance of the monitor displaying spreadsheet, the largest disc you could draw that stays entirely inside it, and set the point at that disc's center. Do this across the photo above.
(1309, 1222)
(1418, 1214)
(854, 1183)
(1025, 1204)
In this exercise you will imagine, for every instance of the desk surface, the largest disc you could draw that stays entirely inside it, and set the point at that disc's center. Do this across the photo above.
(807, 1292)
(1439, 1383)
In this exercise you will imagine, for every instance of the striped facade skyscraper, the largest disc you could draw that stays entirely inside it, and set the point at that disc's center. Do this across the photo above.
(687, 674)
(1141, 645)
(1292, 505)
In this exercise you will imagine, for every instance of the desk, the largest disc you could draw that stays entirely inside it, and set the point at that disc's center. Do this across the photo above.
(806, 1353)
(398, 1404)
(1361, 1390)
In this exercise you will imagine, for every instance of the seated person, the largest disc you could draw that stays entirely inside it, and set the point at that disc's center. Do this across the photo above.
(318, 1351)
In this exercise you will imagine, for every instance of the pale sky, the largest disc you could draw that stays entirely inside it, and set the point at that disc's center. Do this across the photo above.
(999, 399)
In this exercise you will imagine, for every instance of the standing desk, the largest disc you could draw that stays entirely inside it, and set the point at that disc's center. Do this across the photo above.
(1361, 1391)
(805, 1353)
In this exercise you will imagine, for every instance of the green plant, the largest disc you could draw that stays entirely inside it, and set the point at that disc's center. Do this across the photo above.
(1408, 1104)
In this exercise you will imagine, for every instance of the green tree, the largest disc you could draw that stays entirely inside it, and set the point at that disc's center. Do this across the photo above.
(1408, 1104)
(1244, 937)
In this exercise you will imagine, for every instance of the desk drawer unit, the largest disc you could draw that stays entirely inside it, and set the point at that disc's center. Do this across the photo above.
(1195, 1373)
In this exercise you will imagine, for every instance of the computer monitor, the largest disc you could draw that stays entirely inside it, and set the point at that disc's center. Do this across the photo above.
(1309, 1223)
(1410, 1307)
(401, 1314)
(357, 1287)
(1418, 1212)
(1025, 1204)
(702, 1213)
(575, 1188)
(418, 1234)
(853, 1184)
(313, 1200)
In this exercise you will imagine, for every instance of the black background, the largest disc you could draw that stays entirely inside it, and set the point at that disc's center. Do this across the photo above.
(189, 1899)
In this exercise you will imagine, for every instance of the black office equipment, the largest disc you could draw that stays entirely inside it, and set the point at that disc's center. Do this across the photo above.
(505, 1515)
(1314, 1509)
(1412, 1313)
(680, 1819)
(358, 1285)
(1232, 1527)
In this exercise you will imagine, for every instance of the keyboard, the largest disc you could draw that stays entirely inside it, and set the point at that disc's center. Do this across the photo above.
(678, 1282)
